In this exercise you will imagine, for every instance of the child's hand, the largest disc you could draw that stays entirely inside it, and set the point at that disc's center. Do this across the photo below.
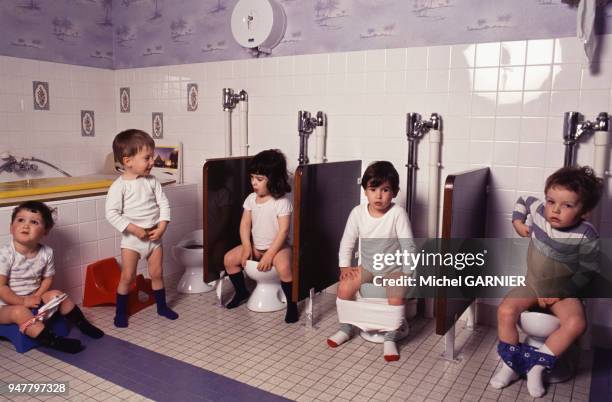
(137, 231)
(32, 301)
(265, 264)
(521, 228)
(156, 232)
(246, 254)
(545, 302)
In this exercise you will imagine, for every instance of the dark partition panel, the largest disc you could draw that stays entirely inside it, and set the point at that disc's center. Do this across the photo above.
(225, 186)
(464, 217)
(324, 195)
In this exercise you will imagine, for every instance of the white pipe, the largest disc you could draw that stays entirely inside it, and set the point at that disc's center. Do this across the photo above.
(320, 135)
(599, 166)
(228, 132)
(434, 183)
(244, 128)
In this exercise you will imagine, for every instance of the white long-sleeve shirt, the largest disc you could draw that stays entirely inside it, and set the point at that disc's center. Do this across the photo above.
(386, 234)
(140, 201)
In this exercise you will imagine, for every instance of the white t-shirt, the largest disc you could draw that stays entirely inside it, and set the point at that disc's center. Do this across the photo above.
(140, 201)
(386, 234)
(264, 218)
(25, 274)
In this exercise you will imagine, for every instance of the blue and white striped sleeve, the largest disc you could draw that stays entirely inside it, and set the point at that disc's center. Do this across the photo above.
(524, 207)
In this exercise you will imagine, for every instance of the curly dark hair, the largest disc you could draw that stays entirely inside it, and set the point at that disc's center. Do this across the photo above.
(379, 172)
(36, 206)
(580, 180)
(272, 164)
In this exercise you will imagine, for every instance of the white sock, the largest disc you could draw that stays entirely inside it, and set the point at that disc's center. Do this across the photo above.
(338, 339)
(535, 384)
(390, 352)
(504, 377)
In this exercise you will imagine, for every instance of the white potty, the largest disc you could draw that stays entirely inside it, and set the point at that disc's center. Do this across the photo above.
(538, 327)
(268, 295)
(189, 252)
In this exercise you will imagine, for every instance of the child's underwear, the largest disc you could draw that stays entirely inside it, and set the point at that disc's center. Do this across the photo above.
(142, 247)
(390, 291)
(546, 276)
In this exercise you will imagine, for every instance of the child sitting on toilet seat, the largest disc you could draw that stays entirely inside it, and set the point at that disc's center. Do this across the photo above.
(264, 229)
(562, 254)
(379, 219)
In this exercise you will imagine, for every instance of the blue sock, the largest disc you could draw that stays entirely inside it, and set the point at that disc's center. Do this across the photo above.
(162, 307)
(121, 320)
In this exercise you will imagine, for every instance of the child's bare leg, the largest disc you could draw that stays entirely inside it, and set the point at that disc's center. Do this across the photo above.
(282, 263)
(20, 314)
(347, 289)
(508, 314)
(129, 261)
(571, 316)
(232, 262)
(154, 263)
(74, 315)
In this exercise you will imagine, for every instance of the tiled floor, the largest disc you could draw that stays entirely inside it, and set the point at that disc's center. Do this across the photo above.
(259, 349)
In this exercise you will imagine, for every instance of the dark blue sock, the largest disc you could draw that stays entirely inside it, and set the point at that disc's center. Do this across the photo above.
(162, 307)
(121, 320)
(292, 315)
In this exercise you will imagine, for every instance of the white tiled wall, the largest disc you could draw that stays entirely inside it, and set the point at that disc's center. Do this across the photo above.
(502, 105)
(55, 135)
(82, 235)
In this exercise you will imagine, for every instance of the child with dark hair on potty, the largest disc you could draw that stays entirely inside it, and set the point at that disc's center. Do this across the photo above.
(138, 208)
(562, 256)
(264, 229)
(26, 275)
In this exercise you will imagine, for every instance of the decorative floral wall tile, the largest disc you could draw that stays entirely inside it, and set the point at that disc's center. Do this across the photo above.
(192, 97)
(88, 127)
(157, 123)
(40, 93)
(124, 100)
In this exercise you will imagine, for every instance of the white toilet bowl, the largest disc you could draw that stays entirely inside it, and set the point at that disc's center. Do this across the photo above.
(268, 295)
(538, 327)
(189, 252)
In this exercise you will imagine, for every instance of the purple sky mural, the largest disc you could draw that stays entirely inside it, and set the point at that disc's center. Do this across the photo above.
(140, 33)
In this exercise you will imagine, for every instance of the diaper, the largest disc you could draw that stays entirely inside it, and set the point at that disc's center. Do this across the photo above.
(142, 247)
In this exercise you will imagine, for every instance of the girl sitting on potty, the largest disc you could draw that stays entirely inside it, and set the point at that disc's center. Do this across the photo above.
(264, 228)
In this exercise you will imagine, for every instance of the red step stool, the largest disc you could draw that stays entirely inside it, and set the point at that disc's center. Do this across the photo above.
(101, 280)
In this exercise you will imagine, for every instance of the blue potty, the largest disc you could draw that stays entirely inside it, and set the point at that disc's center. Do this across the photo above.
(22, 342)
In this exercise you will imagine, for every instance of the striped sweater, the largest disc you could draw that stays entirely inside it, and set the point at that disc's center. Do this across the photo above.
(576, 246)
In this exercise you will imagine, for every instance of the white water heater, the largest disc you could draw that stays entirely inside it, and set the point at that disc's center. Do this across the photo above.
(258, 24)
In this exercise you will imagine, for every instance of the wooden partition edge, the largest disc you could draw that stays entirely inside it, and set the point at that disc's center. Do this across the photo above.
(295, 257)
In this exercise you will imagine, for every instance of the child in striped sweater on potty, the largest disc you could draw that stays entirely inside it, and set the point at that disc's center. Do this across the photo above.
(562, 255)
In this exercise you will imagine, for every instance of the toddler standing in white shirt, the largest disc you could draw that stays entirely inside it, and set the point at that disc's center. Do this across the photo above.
(138, 208)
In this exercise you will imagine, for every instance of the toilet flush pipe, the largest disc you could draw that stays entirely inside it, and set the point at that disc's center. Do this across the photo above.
(435, 138)
(244, 123)
(228, 132)
(320, 136)
(602, 140)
